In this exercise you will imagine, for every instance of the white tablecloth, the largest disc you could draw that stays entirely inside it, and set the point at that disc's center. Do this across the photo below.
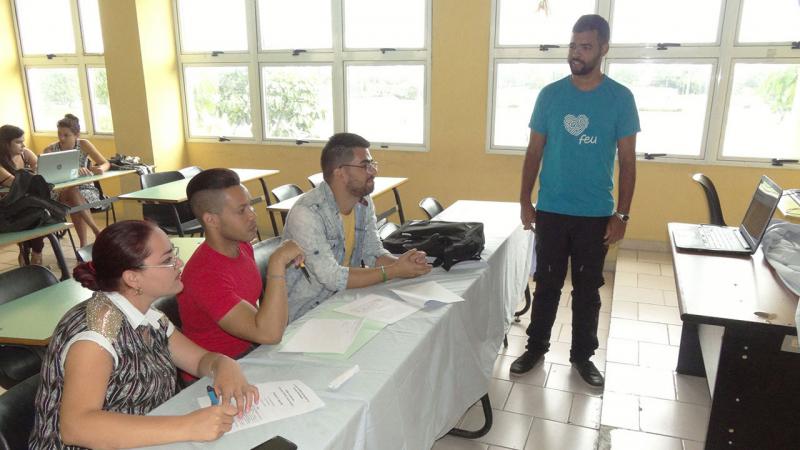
(419, 375)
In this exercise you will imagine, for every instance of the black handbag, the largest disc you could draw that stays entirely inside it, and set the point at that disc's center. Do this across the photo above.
(448, 242)
(28, 204)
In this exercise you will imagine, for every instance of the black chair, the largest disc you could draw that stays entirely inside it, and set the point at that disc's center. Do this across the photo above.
(189, 172)
(431, 206)
(262, 251)
(18, 362)
(386, 229)
(714, 208)
(169, 306)
(108, 207)
(17, 410)
(286, 192)
(165, 215)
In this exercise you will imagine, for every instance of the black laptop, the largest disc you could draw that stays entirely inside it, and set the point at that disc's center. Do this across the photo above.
(728, 240)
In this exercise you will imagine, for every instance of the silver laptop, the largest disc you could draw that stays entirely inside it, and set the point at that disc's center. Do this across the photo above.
(57, 167)
(728, 240)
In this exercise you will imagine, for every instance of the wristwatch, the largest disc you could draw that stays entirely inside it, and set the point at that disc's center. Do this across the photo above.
(622, 216)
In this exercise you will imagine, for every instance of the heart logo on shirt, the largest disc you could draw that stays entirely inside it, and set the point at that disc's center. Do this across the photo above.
(575, 125)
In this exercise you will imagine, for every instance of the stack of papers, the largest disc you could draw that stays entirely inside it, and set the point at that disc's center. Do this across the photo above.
(377, 307)
(278, 400)
(429, 293)
(323, 336)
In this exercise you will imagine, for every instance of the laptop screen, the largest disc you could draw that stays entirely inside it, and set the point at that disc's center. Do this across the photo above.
(760, 211)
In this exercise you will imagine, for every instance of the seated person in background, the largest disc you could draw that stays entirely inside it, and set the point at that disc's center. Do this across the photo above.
(335, 226)
(69, 133)
(112, 358)
(218, 305)
(14, 156)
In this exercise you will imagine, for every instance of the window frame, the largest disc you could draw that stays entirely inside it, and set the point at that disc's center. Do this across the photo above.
(723, 55)
(337, 57)
(81, 60)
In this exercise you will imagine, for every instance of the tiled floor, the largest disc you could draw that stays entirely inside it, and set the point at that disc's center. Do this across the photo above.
(645, 404)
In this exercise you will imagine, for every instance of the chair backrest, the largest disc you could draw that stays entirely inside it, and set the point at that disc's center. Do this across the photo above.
(714, 207)
(163, 215)
(431, 206)
(17, 411)
(386, 229)
(286, 192)
(169, 306)
(189, 172)
(316, 179)
(21, 281)
(263, 251)
(85, 253)
(158, 178)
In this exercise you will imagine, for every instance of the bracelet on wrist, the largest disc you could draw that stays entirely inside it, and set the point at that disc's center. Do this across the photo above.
(383, 274)
(270, 276)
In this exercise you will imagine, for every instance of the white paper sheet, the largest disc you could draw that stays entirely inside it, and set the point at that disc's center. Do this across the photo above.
(426, 293)
(278, 400)
(377, 307)
(323, 336)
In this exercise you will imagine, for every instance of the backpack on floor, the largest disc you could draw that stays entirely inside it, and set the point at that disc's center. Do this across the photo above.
(28, 204)
(448, 242)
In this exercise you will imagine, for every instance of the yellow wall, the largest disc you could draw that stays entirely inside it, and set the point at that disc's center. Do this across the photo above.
(12, 96)
(146, 107)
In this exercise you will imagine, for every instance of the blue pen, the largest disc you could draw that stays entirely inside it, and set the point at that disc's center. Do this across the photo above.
(212, 395)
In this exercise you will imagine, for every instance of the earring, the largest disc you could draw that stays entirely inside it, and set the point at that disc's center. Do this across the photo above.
(138, 291)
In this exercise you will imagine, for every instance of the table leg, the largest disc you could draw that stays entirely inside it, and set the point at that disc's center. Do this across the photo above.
(269, 202)
(399, 206)
(690, 358)
(487, 425)
(178, 225)
(62, 265)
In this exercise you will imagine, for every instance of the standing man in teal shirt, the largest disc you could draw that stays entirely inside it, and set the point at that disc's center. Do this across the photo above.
(578, 125)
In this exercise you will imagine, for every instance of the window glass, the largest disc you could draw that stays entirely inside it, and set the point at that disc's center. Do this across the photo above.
(98, 94)
(764, 112)
(526, 22)
(218, 101)
(779, 22)
(384, 23)
(45, 26)
(209, 25)
(386, 103)
(516, 87)
(279, 22)
(298, 101)
(90, 25)
(679, 21)
(53, 92)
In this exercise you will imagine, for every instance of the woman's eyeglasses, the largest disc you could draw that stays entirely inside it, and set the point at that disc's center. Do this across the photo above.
(171, 264)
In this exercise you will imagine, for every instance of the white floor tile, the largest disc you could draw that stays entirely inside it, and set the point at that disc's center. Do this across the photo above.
(564, 315)
(565, 378)
(623, 351)
(604, 321)
(625, 310)
(672, 418)
(635, 330)
(558, 354)
(658, 356)
(519, 328)
(620, 411)
(670, 298)
(656, 257)
(549, 435)
(626, 279)
(691, 389)
(586, 411)
(611, 439)
(516, 345)
(656, 282)
(508, 429)
(661, 314)
(498, 392)
(637, 380)
(667, 270)
(640, 295)
(539, 402)
(638, 267)
(693, 445)
(565, 334)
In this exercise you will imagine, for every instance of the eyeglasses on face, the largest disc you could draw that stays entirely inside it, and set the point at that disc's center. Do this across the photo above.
(171, 264)
(369, 164)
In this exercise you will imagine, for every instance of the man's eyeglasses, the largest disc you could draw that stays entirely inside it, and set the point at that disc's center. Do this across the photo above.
(172, 264)
(367, 165)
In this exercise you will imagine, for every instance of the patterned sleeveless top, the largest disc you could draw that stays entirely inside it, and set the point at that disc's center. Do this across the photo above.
(143, 378)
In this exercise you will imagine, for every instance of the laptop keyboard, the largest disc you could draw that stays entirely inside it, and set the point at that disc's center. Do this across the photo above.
(719, 238)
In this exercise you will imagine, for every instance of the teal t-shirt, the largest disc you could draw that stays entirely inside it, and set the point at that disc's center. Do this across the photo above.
(582, 130)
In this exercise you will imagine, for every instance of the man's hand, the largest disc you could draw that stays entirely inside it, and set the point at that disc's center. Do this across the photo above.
(527, 215)
(615, 230)
(412, 264)
(288, 253)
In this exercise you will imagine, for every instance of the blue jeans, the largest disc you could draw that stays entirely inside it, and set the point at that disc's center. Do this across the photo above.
(560, 239)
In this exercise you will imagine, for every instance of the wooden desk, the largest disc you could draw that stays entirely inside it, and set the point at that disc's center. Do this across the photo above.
(753, 382)
(31, 319)
(382, 186)
(175, 192)
(48, 231)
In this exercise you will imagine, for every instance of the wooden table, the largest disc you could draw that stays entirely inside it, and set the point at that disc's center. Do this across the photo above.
(31, 320)
(738, 331)
(48, 231)
(382, 186)
(175, 192)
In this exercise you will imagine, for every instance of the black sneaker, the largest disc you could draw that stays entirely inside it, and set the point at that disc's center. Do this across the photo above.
(525, 362)
(589, 372)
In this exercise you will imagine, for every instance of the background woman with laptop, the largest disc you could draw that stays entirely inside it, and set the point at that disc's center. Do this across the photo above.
(69, 132)
(14, 156)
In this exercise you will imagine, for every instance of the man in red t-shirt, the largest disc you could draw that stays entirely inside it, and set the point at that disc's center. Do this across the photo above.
(219, 303)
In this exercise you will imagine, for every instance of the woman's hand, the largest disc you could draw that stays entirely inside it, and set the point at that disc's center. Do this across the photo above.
(96, 170)
(230, 383)
(209, 424)
(84, 172)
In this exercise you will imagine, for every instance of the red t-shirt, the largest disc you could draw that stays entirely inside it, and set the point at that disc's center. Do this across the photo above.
(212, 285)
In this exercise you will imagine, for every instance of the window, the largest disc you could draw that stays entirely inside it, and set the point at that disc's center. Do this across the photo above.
(716, 84)
(352, 65)
(61, 49)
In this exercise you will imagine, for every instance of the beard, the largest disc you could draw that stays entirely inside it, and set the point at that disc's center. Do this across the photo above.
(583, 67)
(361, 190)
